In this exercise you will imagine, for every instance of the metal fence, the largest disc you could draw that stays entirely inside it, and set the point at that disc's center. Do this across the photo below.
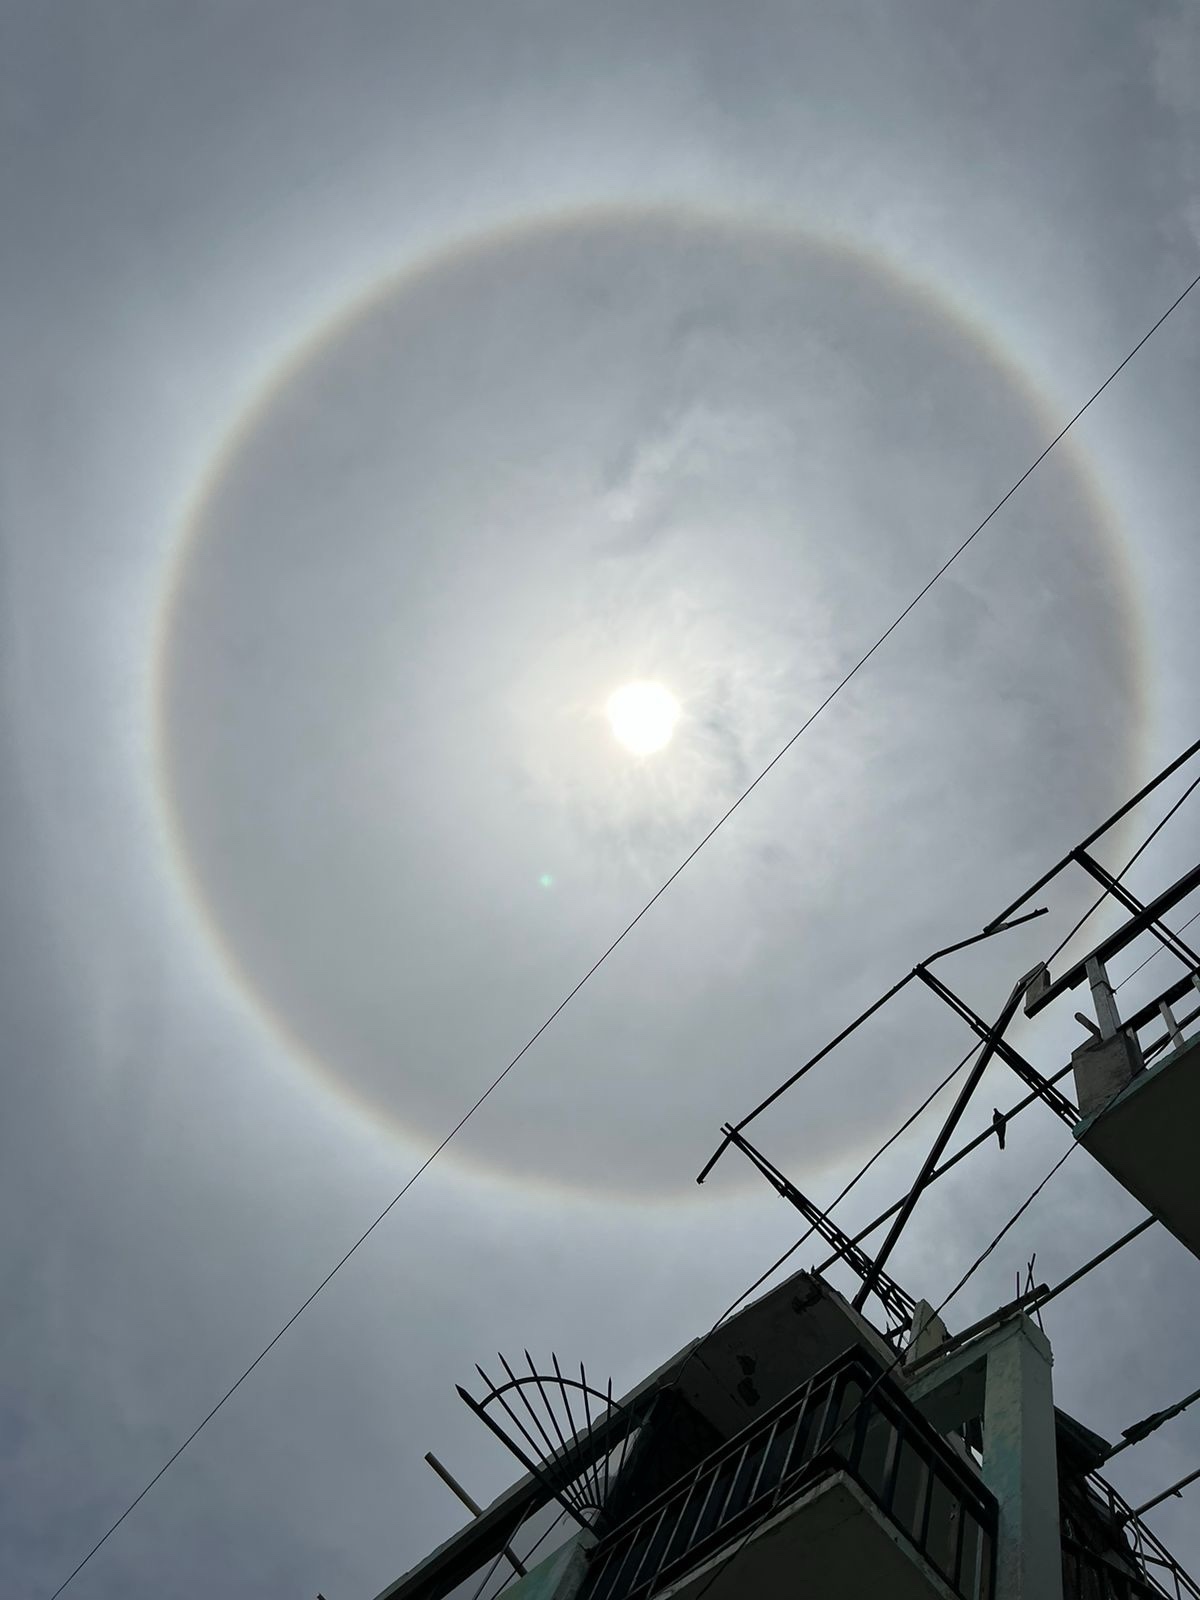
(1088, 1576)
(848, 1418)
(1161, 1573)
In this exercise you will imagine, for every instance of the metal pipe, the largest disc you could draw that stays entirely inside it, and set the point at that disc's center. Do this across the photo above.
(1148, 1425)
(476, 1510)
(999, 927)
(810, 1063)
(1126, 934)
(1175, 1489)
(1084, 844)
(1119, 1244)
(1025, 1070)
(1113, 886)
(908, 1205)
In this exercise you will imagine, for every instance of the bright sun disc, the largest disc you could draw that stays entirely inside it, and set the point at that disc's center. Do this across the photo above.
(642, 716)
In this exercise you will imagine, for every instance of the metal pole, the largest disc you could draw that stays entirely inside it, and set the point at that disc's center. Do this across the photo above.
(1167, 1493)
(455, 1487)
(998, 927)
(799, 1073)
(1148, 1425)
(943, 1138)
(1025, 1070)
(1085, 844)
(1119, 1244)
(1166, 936)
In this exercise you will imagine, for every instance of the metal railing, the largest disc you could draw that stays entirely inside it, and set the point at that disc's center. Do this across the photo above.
(847, 1418)
(1161, 1573)
(1087, 1575)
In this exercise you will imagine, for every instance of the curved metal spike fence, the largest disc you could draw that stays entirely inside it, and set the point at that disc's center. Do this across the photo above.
(569, 1435)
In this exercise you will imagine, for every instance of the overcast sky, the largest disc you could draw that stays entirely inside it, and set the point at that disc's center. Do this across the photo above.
(382, 387)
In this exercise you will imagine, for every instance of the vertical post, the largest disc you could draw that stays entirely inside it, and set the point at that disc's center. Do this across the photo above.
(1020, 1463)
(1170, 1024)
(1107, 1014)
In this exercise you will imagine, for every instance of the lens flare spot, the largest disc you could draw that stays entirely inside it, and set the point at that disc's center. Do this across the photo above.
(642, 716)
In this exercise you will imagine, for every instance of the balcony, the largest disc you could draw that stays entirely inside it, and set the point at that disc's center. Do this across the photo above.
(1136, 1079)
(1144, 1132)
(842, 1488)
(1133, 1565)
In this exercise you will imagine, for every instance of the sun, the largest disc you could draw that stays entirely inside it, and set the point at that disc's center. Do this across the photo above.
(642, 716)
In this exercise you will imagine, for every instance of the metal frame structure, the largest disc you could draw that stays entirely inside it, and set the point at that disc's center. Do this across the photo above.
(897, 1302)
(572, 1463)
(1165, 1575)
(1037, 990)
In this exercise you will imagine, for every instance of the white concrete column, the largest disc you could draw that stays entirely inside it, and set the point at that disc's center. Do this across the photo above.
(1020, 1462)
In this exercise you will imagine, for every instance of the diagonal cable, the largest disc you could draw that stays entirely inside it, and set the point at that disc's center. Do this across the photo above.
(632, 924)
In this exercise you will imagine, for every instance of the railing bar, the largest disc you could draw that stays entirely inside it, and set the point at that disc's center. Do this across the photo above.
(553, 1415)
(666, 1550)
(927, 1505)
(832, 1394)
(519, 1386)
(608, 1451)
(714, 1474)
(637, 1571)
(733, 1477)
(525, 1434)
(891, 1465)
(801, 1413)
(762, 1464)
(865, 1412)
(629, 1541)
(958, 1544)
(596, 1586)
(685, 1500)
(587, 1411)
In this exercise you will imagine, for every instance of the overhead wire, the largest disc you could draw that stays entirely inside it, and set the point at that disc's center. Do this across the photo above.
(807, 723)
(1157, 951)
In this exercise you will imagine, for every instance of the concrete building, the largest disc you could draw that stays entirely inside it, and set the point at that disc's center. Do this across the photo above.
(798, 1451)
(792, 1453)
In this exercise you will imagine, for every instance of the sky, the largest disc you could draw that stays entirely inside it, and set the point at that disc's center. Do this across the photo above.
(382, 388)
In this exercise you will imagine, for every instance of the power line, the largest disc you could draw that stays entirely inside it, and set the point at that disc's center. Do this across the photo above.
(1012, 1221)
(1157, 951)
(632, 924)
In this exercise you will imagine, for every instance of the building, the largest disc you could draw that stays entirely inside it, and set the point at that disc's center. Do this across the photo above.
(797, 1449)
